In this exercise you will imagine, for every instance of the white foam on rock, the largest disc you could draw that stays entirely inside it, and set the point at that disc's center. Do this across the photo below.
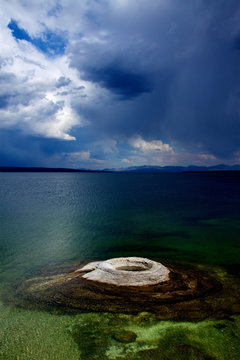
(126, 271)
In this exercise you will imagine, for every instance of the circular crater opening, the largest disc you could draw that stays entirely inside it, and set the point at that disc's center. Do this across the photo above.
(132, 268)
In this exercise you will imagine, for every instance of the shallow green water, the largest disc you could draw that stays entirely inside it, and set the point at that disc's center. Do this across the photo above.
(52, 218)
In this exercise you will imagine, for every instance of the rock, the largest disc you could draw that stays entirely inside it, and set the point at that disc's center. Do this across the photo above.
(129, 271)
(125, 336)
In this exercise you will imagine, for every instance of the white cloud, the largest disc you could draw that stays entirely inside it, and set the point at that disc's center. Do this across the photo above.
(126, 161)
(149, 146)
(31, 101)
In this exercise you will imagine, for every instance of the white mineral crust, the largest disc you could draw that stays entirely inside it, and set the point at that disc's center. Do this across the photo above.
(126, 271)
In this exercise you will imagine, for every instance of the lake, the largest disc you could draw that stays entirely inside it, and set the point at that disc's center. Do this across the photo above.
(54, 218)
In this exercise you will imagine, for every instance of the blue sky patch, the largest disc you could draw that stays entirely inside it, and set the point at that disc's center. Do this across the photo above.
(17, 32)
(49, 43)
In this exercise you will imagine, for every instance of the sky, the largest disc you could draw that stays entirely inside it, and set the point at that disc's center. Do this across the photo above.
(115, 83)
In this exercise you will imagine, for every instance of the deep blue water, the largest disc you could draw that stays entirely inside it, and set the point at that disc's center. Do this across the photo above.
(47, 217)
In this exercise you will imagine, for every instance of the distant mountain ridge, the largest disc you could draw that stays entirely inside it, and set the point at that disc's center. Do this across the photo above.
(176, 169)
(130, 169)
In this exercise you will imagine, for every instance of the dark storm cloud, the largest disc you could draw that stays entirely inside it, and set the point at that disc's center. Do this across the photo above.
(19, 149)
(182, 60)
(118, 71)
(140, 115)
(236, 42)
(126, 83)
(15, 149)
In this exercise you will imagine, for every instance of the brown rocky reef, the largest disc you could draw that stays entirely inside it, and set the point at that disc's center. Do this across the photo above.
(132, 285)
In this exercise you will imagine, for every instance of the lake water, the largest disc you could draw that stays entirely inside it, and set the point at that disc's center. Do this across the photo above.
(48, 218)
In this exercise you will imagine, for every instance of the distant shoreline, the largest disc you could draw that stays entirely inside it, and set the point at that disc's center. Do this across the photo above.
(43, 169)
(135, 171)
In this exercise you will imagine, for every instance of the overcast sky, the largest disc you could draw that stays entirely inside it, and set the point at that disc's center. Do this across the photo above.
(116, 83)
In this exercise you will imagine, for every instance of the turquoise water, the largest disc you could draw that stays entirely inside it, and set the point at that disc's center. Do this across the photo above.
(48, 218)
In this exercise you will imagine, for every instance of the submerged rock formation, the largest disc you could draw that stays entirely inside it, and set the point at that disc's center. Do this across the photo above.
(132, 285)
(130, 271)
